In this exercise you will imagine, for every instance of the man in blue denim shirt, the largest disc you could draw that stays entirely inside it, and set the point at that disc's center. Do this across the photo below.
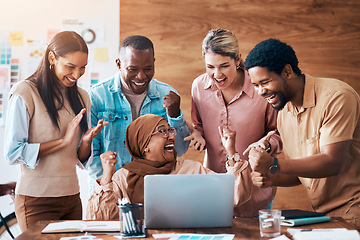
(132, 92)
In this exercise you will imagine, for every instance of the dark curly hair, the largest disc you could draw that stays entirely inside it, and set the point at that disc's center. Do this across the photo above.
(273, 54)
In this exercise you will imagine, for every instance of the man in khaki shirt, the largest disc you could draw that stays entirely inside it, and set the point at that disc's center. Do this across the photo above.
(318, 121)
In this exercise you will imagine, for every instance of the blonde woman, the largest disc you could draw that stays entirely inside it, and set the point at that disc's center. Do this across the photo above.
(224, 97)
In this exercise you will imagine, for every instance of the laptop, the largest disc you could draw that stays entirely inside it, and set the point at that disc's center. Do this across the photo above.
(188, 201)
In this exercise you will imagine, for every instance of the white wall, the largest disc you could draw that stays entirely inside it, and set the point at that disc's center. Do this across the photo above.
(34, 18)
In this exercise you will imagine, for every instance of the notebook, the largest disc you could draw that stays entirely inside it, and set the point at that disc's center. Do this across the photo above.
(296, 213)
(82, 226)
(188, 201)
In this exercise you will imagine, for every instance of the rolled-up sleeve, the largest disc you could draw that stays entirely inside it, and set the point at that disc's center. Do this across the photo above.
(17, 150)
(243, 182)
(102, 203)
(182, 131)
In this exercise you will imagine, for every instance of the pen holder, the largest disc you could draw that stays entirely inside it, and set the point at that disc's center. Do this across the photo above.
(131, 220)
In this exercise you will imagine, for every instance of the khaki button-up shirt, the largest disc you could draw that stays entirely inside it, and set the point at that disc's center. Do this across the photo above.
(330, 114)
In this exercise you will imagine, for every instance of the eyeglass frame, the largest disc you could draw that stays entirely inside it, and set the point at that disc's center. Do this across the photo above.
(166, 133)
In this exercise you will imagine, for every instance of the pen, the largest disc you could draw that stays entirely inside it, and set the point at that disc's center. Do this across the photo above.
(126, 225)
(315, 230)
(129, 222)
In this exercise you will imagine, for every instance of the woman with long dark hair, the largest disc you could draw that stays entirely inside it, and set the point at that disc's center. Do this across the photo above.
(47, 133)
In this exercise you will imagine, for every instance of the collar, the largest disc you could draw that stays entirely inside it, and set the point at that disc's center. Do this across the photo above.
(116, 86)
(308, 97)
(248, 88)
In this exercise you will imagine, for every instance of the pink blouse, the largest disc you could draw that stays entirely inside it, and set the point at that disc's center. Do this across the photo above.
(249, 115)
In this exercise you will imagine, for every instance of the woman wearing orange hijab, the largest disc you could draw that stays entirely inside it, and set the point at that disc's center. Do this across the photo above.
(150, 141)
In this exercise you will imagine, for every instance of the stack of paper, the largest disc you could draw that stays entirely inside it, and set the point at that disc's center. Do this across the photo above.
(328, 234)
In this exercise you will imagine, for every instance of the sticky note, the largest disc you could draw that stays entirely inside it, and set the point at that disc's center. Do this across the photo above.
(16, 38)
(101, 54)
(51, 33)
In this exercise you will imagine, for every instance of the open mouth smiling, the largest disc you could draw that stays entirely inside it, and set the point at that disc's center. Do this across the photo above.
(169, 147)
(140, 84)
(71, 80)
(220, 80)
(271, 98)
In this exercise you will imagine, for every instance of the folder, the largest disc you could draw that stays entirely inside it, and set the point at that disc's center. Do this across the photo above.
(303, 221)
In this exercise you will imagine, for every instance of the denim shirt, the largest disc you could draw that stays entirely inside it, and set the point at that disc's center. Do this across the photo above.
(110, 104)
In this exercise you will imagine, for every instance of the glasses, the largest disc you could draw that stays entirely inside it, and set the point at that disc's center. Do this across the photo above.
(165, 132)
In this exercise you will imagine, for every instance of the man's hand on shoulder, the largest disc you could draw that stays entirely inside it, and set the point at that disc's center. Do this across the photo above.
(172, 104)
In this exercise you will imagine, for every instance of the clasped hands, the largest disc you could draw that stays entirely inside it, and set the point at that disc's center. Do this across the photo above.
(260, 161)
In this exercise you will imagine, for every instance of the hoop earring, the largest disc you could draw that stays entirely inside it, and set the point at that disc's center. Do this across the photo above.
(240, 66)
(51, 67)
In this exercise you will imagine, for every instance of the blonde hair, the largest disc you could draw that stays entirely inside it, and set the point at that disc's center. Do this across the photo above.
(223, 42)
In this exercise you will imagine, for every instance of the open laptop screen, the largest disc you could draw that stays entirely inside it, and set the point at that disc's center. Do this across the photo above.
(188, 201)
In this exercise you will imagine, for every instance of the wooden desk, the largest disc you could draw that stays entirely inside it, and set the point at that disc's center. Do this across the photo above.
(243, 228)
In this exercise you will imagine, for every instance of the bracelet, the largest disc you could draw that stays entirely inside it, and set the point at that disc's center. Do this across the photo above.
(268, 149)
(235, 157)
